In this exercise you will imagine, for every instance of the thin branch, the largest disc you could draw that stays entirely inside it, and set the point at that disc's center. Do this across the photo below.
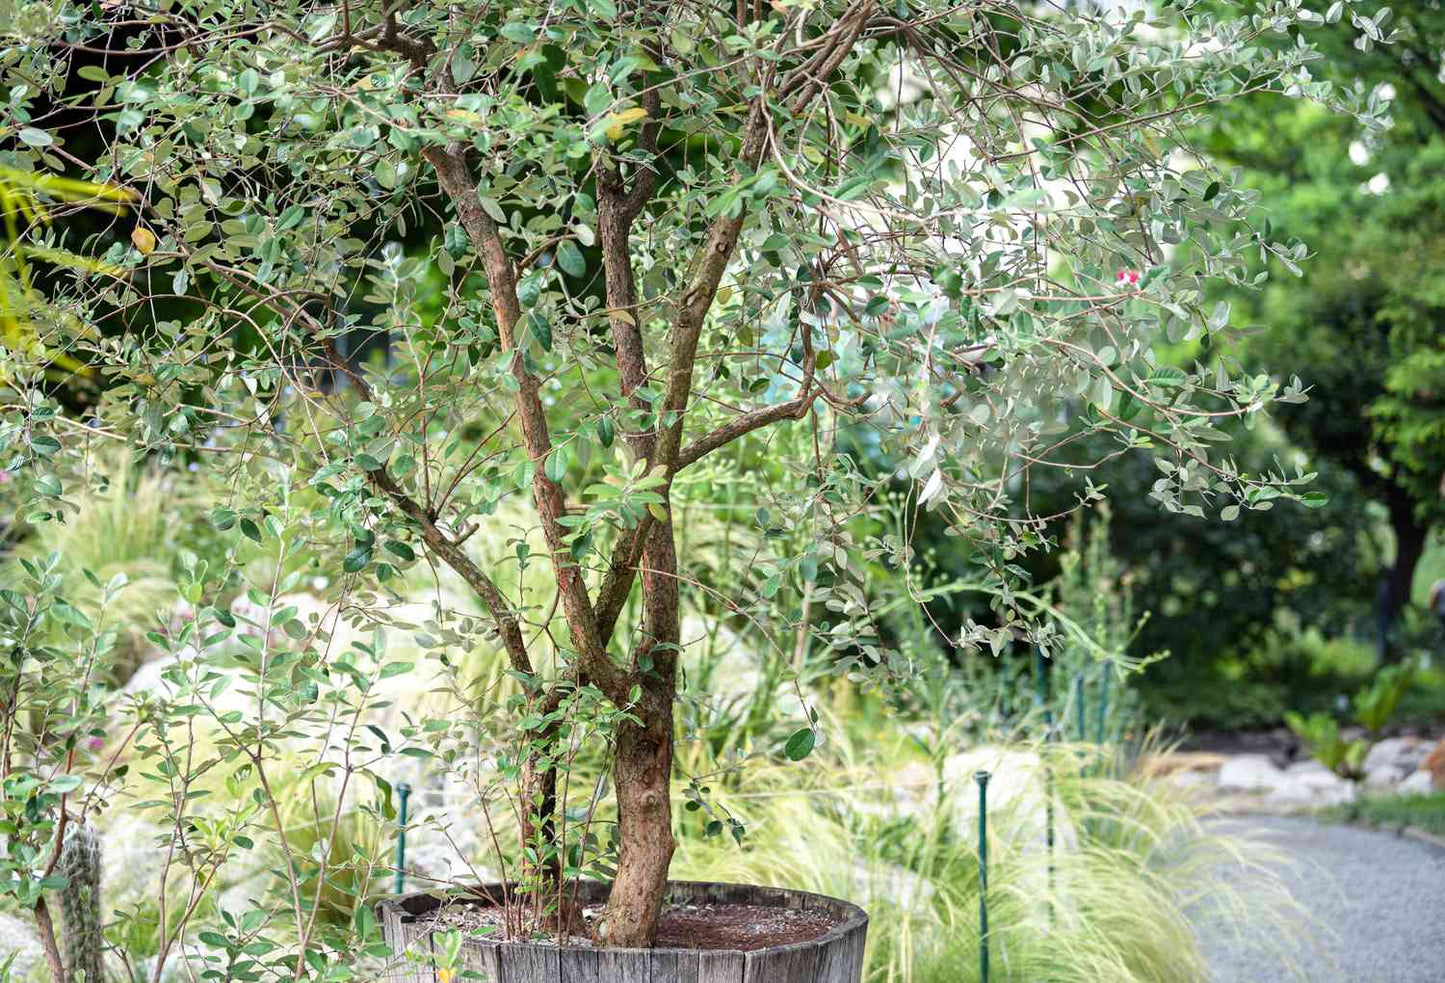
(457, 181)
(452, 554)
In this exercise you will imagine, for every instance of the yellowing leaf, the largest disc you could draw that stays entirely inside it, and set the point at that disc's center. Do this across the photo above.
(143, 239)
(464, 116)
(617, 123)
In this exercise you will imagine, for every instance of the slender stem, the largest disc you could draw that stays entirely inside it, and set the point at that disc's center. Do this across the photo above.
(981, 778)
(46, 925)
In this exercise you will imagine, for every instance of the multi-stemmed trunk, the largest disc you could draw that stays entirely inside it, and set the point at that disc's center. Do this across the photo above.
(646, 686)
(643, 774)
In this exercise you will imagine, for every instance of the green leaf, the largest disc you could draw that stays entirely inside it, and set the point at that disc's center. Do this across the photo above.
(800, 745)
(290, 218)
(605, 431)
(1154, 273)
(357, 559)
(250, 530)
(541, 330)
(65, 783)
(570, 258)
(32, 137)
(400, 549)
(556, 468)
(520, 33)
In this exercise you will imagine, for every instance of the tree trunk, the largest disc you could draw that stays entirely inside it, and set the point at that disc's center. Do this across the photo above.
(643, 772)
(1410, 538)
(643, 767)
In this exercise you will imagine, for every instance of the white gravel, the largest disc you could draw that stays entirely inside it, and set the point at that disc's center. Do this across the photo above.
(1376, 904)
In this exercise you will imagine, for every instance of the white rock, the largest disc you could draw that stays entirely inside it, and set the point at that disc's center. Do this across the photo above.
(1018, 812)
(1404, 753)
(1310, 783)
(1384, 776)
(1416, 783)
(19, 937)
(129, 858)
(1191, 779)
(149, 681)
(1250, 773)
(1018, 805)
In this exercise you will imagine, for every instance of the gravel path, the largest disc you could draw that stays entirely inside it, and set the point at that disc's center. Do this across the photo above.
(1375, 904)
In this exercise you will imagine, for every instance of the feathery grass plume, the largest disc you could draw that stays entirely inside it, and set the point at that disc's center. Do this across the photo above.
(1135, 865)
(127, 518)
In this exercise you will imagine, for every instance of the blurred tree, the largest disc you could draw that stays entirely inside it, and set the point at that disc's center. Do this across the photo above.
(1224, 595)
(1362, 324)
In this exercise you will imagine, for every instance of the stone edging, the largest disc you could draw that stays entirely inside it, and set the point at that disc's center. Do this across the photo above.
(1423, 836)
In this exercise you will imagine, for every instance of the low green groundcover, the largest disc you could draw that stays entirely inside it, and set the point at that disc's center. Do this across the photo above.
(1425, 812)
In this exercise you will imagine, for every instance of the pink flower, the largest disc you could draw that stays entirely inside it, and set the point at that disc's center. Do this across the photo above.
(95, 743)
(1128, 277)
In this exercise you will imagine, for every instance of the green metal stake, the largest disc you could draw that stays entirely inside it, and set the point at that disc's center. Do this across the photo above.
(405, 791)
(1041, 690)
(1003, 690)
(1079, 699)
(982, 778)
(1041, 685)
(1103, 702)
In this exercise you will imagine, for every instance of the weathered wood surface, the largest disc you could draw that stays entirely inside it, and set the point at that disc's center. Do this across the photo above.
(835, 957)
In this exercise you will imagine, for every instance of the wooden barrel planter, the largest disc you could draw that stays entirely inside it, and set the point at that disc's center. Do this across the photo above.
(834, 956)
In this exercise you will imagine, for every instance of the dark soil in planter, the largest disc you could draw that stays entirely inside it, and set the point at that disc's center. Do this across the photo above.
(739, 927)
(711, 933)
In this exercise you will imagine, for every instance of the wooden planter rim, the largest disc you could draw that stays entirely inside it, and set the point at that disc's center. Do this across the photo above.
(835, 956)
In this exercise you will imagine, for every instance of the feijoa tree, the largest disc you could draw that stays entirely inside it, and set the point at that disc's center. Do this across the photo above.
(605, 237)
